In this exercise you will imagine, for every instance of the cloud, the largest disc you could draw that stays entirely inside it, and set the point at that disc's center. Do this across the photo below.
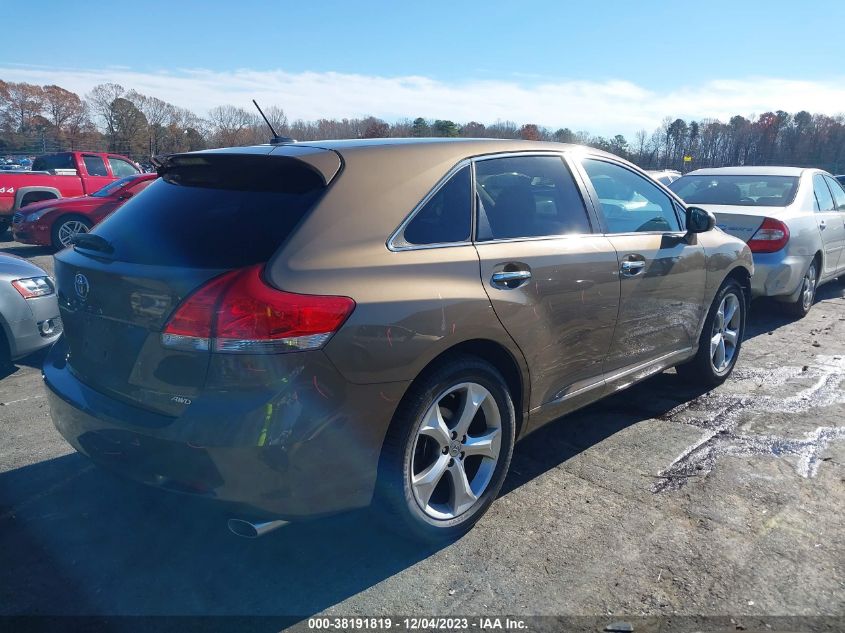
(602, 107)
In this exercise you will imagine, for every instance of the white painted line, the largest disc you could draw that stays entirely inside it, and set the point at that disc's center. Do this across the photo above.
(5, 404)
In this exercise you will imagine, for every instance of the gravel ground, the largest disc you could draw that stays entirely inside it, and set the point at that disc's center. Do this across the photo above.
(659, 501)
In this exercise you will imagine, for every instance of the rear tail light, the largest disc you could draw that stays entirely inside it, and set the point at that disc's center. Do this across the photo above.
(238, 313)
(770, 237)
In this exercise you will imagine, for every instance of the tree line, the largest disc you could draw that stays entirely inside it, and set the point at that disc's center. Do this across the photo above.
(36, 119)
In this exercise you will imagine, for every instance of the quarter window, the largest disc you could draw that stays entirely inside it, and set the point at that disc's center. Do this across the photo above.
(629, 202)
(447, 216)
(527, 196)
(94, 165)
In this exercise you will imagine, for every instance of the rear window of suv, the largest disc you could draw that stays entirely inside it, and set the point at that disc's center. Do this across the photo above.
(214, 211)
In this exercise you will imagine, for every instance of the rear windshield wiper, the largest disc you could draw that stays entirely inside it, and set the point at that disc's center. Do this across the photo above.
(92, 242)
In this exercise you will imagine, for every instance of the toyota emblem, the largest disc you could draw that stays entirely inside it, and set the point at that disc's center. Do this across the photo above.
(81, 285)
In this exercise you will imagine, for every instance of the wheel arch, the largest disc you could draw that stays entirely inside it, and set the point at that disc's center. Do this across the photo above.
(743, 276)
(515, 374)
(23, 192)
(819, 257)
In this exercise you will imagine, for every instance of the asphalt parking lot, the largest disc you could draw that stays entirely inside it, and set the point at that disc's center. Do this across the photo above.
(662, 500)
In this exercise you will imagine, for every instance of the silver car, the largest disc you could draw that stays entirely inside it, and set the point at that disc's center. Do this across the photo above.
(29, 312)
(792, 218)
(665, 176)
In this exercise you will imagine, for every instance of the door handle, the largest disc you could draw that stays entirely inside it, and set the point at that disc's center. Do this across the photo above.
(822, 225)
(631, 268)
(510, 279)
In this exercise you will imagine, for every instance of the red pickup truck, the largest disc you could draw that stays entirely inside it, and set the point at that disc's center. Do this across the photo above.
(60, 175)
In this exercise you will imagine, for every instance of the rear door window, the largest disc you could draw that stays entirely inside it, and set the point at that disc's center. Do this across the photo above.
(94, 165)
(214, 211)
(527, 196)
(447, 216)
(121, 168)
(824, 201)
(838, 193)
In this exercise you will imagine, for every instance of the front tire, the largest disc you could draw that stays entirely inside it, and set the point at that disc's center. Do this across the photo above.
(721, 338)
(447, 451)
(66, 228)
(802, 305)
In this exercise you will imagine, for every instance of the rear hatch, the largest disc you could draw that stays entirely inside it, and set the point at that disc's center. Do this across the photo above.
(209, 213)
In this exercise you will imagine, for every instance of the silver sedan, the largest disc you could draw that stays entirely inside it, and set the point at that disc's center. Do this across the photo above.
(664, 176)
(793, 219)
(29, 312)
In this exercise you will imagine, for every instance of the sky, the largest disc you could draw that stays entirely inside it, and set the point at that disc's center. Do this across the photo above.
(605, 67)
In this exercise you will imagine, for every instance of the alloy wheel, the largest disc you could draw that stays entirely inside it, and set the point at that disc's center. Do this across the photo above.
(725, 334)
(456, 450)
(808, 289)
(70, 229)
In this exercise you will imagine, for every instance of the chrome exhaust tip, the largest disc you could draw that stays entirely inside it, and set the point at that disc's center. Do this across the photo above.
(248, 529)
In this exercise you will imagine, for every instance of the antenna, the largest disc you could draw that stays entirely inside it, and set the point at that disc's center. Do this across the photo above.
(275, 139)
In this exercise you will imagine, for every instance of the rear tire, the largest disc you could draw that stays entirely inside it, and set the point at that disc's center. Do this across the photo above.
(67, 227)
(802, 305)
(447, 452)
(721, 338)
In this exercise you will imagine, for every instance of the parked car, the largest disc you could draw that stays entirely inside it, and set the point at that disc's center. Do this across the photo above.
(665, 176)
(62, 175)
(793, 220)
(29, 313)
(301, 329)
(56, 222)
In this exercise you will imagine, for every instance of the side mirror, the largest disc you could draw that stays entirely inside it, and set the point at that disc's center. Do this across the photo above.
(699, 220)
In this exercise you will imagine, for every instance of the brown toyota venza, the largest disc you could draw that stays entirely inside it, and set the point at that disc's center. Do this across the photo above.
(305, 328)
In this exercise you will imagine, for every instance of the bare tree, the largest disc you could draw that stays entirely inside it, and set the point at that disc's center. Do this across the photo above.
(100, 101)
(230, 125)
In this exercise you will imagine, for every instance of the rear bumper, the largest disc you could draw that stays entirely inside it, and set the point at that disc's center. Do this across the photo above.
(778, 274)
(309, 448)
